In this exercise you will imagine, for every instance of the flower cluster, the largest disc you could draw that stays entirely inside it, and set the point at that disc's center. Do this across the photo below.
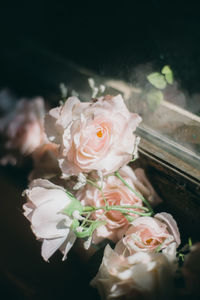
(82, 187)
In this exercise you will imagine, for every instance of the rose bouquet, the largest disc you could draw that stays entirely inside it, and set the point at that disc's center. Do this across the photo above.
(82, 188)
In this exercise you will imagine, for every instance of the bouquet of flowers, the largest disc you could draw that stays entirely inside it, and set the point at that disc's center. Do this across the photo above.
(81, 187)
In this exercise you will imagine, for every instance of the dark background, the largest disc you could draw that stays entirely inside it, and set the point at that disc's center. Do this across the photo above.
(37, 39)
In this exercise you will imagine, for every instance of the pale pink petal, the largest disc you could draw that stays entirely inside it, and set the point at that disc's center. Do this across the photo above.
(172, 225)
(68, 244)
(92, 136)
(50, 246)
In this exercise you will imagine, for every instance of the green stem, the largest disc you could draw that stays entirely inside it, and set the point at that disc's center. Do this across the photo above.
(134, 191)
(87, 219)
(133, 206)
(116, 208)
(93, 183)
(99, 188)
(131, 211)
(122, 210)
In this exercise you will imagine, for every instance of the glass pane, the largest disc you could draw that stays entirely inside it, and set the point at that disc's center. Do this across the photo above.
(170, 117)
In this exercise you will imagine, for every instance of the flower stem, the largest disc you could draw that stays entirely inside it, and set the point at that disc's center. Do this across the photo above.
(116, 208)
(134, 191)
(99, 188)
(87, 219)
(93, 183)
(122, 210)
(133, 206)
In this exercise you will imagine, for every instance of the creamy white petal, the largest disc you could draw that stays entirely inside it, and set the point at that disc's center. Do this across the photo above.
(49, 247)
(68, 244)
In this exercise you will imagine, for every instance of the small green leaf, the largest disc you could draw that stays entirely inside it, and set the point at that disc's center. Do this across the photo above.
(157, 80)
(190, 242)
(166, 70)
(72, 206)
(154, 98)
(181, 256)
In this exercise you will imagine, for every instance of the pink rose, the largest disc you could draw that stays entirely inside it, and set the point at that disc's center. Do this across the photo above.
(116, 193)
(150, 234)
(141, 184)
(139, 276)
(92, 136)
(23, 128)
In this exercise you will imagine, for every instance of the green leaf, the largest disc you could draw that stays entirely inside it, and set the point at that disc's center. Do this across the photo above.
(154, 98)
(181, 256)
(75, 204)
(166, 70)
(157, 80)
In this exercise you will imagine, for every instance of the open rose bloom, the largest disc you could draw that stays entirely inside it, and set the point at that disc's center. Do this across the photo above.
(92, 136)
(116, 193)
(84, 147)
(148, 234)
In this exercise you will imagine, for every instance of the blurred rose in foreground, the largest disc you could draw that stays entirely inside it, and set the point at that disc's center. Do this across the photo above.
(141, 276)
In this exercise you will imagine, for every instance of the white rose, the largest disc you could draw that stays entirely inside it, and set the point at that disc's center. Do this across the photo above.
(139, 276)
(45, 201)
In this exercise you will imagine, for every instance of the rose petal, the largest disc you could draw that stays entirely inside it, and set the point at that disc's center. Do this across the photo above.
(49, 247)
(172, 225)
